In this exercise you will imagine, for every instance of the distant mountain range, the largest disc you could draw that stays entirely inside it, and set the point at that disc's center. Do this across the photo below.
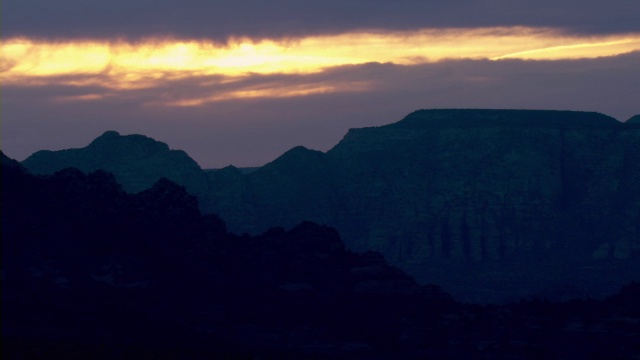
(491, 204)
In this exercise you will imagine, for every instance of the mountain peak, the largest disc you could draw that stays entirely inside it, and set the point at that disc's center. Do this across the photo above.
(107, 136)
(298, 155)
(110, 133)
(128, 143)
(137, 161)
(300, 151)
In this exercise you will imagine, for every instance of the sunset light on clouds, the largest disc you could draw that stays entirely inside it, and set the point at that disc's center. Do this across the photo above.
(215, 78)
(126, 65)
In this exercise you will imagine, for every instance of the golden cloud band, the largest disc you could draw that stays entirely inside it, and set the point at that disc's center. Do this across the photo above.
(134, 65)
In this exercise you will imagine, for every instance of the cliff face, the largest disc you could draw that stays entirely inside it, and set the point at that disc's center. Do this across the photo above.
(462, 184)
(443, 189)
(137, 162)
(486, 189)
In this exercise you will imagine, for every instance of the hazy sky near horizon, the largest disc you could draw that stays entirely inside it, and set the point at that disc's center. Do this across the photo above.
(240, 82)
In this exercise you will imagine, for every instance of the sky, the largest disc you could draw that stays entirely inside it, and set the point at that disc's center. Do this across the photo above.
(242, 81)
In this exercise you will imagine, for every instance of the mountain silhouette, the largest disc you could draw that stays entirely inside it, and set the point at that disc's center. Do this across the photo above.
(90, 271)
(491, 204)
(489, 191)
(136, 160)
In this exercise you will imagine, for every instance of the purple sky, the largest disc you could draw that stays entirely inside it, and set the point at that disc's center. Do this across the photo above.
(253, 131)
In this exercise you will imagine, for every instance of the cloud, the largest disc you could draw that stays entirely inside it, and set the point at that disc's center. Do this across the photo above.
(132, 65)
(248, 131)
(220, 19)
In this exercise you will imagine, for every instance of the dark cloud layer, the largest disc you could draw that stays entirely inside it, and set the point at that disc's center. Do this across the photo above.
(248, 132)
(284, 18)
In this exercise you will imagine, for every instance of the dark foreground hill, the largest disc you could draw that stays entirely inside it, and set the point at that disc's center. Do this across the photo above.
(492, 204)
(89, 271)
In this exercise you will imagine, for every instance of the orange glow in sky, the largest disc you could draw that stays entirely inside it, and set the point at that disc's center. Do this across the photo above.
(121, 65)
(272, 92)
